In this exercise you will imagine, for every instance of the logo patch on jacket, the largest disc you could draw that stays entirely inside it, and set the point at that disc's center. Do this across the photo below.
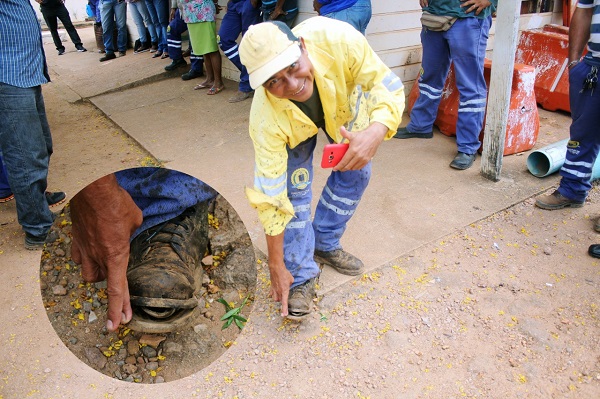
(300, 179)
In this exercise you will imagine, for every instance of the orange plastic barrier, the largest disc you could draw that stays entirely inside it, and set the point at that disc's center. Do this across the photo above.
(523, 123)
(547, 49)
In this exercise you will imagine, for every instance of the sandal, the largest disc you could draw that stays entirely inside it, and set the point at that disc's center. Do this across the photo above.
(214, 90)
(202, 86)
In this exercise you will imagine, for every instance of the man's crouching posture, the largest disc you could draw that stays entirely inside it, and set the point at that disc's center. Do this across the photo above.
(322, 74)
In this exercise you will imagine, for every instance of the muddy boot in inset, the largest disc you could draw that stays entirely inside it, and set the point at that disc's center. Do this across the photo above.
(165, 272)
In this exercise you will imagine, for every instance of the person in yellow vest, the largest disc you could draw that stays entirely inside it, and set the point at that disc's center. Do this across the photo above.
(321, 75)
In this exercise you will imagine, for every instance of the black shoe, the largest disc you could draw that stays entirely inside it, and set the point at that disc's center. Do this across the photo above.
(165, 271)
(61, 51)
(462, 161)
(176, 64)
(157, 54)
(107, 57)
(191, 74)
(34, 242)
(402, 133)
(594, 251)
(342, 261)
(122, 53)
(143, 48)
(300, 299)
(55, 198)
(80, 48)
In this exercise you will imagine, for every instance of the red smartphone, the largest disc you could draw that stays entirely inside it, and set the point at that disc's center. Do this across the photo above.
(332, 154)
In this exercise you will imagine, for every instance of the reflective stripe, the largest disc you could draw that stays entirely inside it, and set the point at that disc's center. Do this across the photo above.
(234, 48)
(392, 82)
(173, 41)
(471, 109)
(233, 55)
(271, 187)
(335, 209)
(302, 208)
(345, 201)
(431, 89)
(296, 225)
(576, 173)
(582, 163)
(479, 101)
(426, 93)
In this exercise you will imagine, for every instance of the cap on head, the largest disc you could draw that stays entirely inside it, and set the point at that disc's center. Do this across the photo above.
(266, 49)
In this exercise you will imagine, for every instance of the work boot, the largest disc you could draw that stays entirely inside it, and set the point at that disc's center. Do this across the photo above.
(145, 46)
(34, 243)
(165, 271)
(154, 47)
(107, 57)
(403, 133)
(191, 74)
(300, 299)
(462, 161)
(240, 96)
(175, 64)
(341, 261)
(54, 198)
(556, 201)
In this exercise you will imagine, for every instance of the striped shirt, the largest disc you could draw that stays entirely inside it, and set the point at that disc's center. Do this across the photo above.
(22, 59)
(594, 43)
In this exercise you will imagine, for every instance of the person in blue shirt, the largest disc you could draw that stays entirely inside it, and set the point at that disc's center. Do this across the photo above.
(356, 12)
(25, 139)
(462, 41)
(280, 10)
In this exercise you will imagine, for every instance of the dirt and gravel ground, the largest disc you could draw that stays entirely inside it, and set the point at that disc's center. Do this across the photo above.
(503, 308)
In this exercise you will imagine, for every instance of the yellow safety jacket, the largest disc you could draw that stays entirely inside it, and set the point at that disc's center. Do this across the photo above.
(342, 59)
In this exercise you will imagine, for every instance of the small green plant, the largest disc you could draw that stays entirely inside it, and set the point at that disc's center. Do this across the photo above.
(232, 315)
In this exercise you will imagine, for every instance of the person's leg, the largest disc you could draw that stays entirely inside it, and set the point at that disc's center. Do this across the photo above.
(52, 23)
(231, 27)
(108, 17)
(26, 147)
(121, 18)
(357, 15)
(174, 31)
(63, 14)
(467, 40)
(162, 11)
(299, 238)
(5, 191)
(434, 70)
(215, 64)
(584, 142)
(150, 6)
(143, 10)
(137, 19)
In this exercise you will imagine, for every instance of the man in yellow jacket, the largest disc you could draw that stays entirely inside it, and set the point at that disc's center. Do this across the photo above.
(321, 75)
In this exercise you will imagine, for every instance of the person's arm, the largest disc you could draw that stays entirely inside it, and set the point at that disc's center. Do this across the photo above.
(104, 217)
(579, 33)
(278, 10)
(281, 278)
(363, 146)
(475, 5)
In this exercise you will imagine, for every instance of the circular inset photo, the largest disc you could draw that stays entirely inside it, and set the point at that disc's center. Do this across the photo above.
(148, 275)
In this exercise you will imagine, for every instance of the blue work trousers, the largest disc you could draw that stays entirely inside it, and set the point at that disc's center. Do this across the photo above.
(464, 45)
(26, 146)
(112, 10)
(584, 142)
(337, 204)
(176, 28)
(142, 20)
(238, 18)
(357, 15)
(159, 14)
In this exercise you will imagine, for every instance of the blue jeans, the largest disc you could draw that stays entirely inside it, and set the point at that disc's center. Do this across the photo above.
(112, 10)
(464, 45)
(5, 190)
(26, 146)
(142, 20)
(357, 15)
(339, 200)
(237, 19)
(159, 14)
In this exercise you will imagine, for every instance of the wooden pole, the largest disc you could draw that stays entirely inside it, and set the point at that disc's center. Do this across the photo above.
(503, 62)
